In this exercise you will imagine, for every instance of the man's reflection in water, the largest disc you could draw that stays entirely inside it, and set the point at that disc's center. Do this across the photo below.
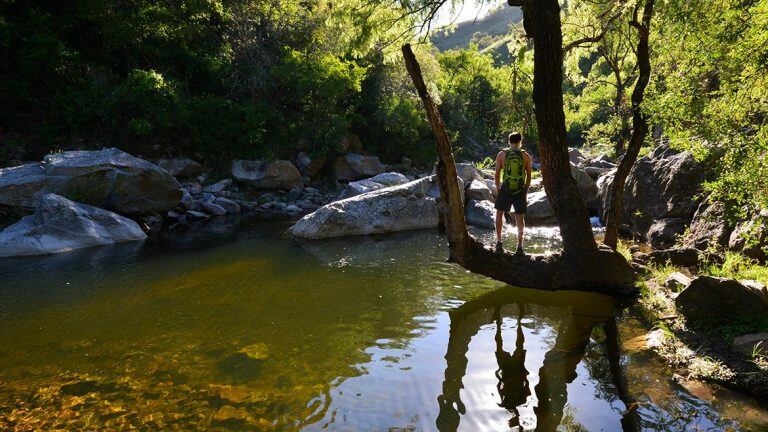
(512, 375)
(579, 315)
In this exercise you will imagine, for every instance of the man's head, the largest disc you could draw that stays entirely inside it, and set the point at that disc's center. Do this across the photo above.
(515, 139)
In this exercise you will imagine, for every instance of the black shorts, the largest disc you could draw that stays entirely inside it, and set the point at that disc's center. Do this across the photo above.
(505, 200)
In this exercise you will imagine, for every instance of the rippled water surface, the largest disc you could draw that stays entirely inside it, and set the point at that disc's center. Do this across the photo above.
(238, 328)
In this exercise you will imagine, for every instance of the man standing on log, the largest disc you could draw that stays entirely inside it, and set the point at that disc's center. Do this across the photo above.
(513, 177)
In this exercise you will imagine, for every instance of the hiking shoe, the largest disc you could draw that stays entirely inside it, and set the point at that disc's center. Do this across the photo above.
(499, 247)
(519, 250)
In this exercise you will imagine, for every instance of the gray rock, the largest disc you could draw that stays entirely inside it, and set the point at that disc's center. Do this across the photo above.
(587, 185)
(718, 299)
(60, 225)
(751, 237)
(754, 343)
(218, 187)
(354, 166)
(540, 211)
(376, 182)
(595, 172)
(478, 190)
(227, 204)
(308, 165)
(22, 186)
(291, 208)
(396, 208)
(575, 155)
(491, 184)
(481, 213)
(708, 227)
(677, 281)
(681, 257)
(665, 232)
(468, 172)
(195, 189)
(280, 174)
(389, 179)
(180, 167)
(213, 209)
(195, 215)
(186, 199)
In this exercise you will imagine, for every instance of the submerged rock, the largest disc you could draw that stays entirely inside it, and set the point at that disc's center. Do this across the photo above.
(397, 208)
(61, 225)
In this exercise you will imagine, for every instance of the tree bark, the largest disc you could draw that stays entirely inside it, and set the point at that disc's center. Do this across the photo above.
(639, 129)
(581, 267)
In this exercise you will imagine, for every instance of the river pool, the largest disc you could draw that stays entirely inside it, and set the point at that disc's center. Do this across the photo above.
(235, 327)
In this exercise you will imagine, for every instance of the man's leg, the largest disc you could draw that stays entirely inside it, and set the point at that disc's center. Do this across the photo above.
(520, 221)
(499, 224)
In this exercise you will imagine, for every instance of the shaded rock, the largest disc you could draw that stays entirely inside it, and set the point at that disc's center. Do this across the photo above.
(754, 343)
(354, 166)
(195, 215)
(587, 185)
(292, 208)
(481, 213)
(186, 199)
(751, 237)
(665, 232)
(228, 205)
(395, 208)
(677, 281)
(491, 184)
(478, 190)
(308, 165)
(60, 225)
(575, 155)
(212, 209)
(719, 299)
(349, 143)
(468, 172)
(407, 163)
(682, 257)
(195, 188)
(218, 187)
(279, 174)
(708, 227)
(22, 186)
(180, 167)
(596, 172)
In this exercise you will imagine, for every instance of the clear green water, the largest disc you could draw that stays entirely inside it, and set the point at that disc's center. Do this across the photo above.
(237, 328)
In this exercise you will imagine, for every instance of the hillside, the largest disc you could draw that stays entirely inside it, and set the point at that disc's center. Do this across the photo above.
(490, 27)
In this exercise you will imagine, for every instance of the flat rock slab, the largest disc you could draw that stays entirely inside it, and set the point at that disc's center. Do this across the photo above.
(61, 225)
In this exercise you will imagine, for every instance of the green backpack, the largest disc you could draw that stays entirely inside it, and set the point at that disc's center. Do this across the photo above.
(513, 174)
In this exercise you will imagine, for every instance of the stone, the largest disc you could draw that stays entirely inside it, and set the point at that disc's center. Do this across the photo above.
(754, 343)
(292, 208)
(665, 232)
(407, 163)
(595, 172)
(195, 215)
(491, 184)
(574, 155)
(22, 186)
(349, 143)
(389, 179)
(676, 281)
(308, 165)
(396, 208)
(680, 257)
(479, 191)
(540, 211)
(60, 225)
(376, 182)
(664, 184)
(587, 185)
(195, 189)
(180, 167)
(720, 299)
(186, 199)
(280, 174)
(227, 204)
(353, 166)
(481, 213)
(751, 237)
(218, 187)
(708, 227)
(212, 209)
(468, 172)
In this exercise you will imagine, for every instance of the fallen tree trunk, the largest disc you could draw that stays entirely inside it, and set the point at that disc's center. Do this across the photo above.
(587, 269)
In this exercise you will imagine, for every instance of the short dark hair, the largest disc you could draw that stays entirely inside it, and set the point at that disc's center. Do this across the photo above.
(515, 137)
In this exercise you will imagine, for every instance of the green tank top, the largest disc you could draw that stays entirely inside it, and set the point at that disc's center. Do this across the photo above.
(513, 172)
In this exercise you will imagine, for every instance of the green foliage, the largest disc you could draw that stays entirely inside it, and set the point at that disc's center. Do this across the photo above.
(737, 266)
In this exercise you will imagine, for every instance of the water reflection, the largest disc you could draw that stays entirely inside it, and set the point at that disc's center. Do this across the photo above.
(579, 314)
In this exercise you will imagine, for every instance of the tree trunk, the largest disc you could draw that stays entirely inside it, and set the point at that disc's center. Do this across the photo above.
(639, 129)
(559, 185)
(593, 269)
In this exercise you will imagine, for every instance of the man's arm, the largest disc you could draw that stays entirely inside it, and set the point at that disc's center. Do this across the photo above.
(499, 164)
(528, 166)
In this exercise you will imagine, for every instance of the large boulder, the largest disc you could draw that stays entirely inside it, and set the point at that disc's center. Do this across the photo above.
(280, 174)
(478, 190)
(353, 166)
(751, 237)
(664, 184)
(587, 185)
(396, 208)
(180, 167)
(718, 299)
(664, 232)
(575, 155)
(110, 179)
(468, 172)
(376, 182)
(481, 213)
(709, 227)
(61, 225)
(540, 211)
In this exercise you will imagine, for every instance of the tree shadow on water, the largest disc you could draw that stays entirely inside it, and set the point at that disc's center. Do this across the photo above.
(574, 315)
